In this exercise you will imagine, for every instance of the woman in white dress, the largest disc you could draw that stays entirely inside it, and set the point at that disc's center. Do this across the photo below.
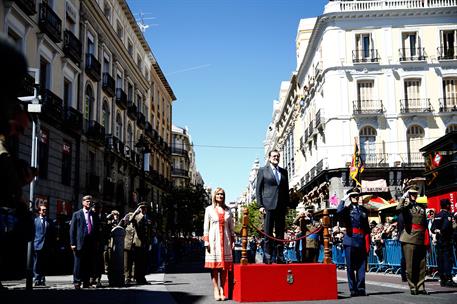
(218, 235)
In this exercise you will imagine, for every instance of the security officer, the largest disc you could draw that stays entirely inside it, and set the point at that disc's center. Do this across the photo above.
(356, 241)
(442, 227)
(414, 239)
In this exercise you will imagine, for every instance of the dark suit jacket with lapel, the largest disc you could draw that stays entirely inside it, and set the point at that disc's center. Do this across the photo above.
(269, 194)
(78, 229)
(43, 238)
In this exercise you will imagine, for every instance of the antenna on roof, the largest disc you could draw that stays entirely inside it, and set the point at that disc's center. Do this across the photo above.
(140, 21)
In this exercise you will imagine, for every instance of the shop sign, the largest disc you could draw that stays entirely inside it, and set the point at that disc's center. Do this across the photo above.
(379, 185)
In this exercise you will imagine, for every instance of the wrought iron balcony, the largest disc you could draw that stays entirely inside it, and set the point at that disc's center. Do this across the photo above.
(114, 144)
(365, 56)
(148, 129)
(50, 23)
(414, 159)
(141, 121)
(93, 67)
(447, 53)
(28, 86)
(73, 119)
(180, 172)
(375, 160)
(311, 128)
(132, 111)
(52, 105)
(179, 151)
(108, 84)
(72, 47)
(448, 104)
(367, 107)
(121, 99)
(28, 6)
(95, 132)
(412, 54)
(415, 105)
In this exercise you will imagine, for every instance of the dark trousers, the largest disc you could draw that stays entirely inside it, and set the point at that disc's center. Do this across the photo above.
(444, 256)
(310, 255)
(274, 219)
(128, 264)
(40, 263)
(141, 256)
(83, 266)
(415, 265)
(356, 261)
(403, 267)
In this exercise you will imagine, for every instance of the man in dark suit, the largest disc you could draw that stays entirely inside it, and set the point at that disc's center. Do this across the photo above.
(42, 244)
(272, 194)
(83, 242)
(356, 240)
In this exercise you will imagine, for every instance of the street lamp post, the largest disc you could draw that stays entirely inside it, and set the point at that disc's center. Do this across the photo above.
(146, 153)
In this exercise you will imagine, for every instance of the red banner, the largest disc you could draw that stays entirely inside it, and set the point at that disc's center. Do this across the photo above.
(434, 201)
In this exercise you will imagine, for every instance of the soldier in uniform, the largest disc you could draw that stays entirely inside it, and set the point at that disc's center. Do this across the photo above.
(310, 228)
(128, 247)
(442, 227)
(414, 239)
(356, 241)
(142, 241)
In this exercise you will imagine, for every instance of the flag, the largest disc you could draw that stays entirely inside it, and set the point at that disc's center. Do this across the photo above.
(357, 165)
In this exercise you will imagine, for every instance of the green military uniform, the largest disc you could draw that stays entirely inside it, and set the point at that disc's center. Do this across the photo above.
(413, 239)
(142, 241)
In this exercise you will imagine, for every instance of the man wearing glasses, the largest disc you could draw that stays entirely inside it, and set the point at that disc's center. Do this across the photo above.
(41, 245)
(272, 194)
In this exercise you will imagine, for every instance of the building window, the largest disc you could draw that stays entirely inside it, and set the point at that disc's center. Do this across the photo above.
(45, 73)
(130, 48)
(67, 93)
(415, 140)
(368, 144)
(450, 94)
(106, 116)
(410, 46)
(130, 92)
(119, 83)
(448, 44)
(106, 63)
(90, 44)
(451, 128)
(119, 30)
(43, 153)
(363, 48)
(15, 38)
(365, 100)
(118, 131)
(66, 163)
(107, 11)
(88, 103)
(129, 139)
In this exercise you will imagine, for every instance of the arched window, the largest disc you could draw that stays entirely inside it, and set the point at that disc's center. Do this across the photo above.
(368, 144)
(415, 140)
(106, 116)
(118, 131)
(88, 103)
(451, 128)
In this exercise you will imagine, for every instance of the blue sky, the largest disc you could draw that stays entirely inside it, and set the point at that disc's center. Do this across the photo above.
(225, 60)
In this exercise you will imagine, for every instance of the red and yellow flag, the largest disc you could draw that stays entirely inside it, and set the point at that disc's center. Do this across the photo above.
(357, 165)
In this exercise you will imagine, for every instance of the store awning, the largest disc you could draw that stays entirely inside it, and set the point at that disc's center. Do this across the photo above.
(374, 202)
(420, 200)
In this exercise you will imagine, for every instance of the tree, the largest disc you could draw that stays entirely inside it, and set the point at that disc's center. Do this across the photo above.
(255, 219)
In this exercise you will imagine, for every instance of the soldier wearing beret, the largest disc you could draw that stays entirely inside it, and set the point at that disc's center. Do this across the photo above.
(414, 239)
(356, 241)
(442, 227)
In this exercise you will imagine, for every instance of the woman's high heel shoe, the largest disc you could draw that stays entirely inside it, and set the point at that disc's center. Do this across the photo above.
(217, 297)
(221, 293)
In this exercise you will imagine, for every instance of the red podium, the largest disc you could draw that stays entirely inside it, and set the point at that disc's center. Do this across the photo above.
(284, 282)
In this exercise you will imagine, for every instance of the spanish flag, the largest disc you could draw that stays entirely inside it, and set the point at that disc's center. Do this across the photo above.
(357, 165)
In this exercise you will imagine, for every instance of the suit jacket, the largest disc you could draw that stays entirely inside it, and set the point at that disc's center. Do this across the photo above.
(78, 228)
(354, 218)
(43, 235)
(269, 194)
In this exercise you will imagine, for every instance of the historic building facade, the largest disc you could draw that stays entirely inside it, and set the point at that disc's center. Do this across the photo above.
(382, 74)
(105, 126)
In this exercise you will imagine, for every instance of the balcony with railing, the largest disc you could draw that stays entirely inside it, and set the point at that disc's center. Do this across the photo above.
(375, 160)
(72, 47)
(108, 84)
(95, 132)
(27, 88)
(367, 107)
(415, 106)
(27, 6)
(132, 110)
(311, 128)
(52, 105)
(382, 5)
(73, 120)
(447, 53)
(180, 172)
(179, 151)
(319, 119)
(114, 144)
(365, 56)
(93, 67)
(50, 23)
(141, 121)
(414, 159)
(121, 99)
(448, 104)
(412, 54)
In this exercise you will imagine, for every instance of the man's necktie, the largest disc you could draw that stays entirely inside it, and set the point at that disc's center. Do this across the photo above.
(277, 175)
(89, 224)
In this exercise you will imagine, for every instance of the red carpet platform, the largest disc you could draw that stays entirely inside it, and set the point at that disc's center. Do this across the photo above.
(284, 282)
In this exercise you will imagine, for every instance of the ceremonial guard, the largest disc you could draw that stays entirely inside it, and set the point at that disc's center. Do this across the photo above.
(442, 227)
(414, 239)
(312, 229)
(356, 241)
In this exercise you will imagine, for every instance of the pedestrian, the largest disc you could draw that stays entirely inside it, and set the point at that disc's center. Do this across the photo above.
(42, 245)
(112, 220)
(356, 241)
(83, 229)
(272, 192)
(442, 227)
(142, 241)
(128, 248)
(16, 221)
(312, 229)
(101, 244)
(414, 239)
(219, 237)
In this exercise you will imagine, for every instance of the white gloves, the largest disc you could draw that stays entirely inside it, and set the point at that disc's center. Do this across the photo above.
(405, 195)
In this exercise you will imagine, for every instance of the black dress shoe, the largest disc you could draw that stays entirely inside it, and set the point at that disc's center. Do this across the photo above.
(354, 294)
(414, 293)
(423, 292)
(77, 286)
(361, 293)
